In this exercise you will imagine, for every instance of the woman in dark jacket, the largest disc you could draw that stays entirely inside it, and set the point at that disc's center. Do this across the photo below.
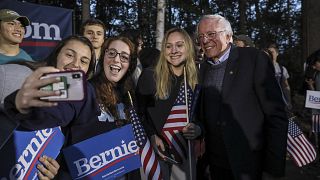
(158, 93)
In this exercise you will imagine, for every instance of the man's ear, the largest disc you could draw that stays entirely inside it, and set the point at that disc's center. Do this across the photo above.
(229, 38)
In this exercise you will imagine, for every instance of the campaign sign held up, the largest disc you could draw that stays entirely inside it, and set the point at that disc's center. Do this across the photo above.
(20, 155)
(105, 156)
(313, 99)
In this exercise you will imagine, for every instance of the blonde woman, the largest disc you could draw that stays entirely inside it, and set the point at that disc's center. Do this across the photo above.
(158, 92)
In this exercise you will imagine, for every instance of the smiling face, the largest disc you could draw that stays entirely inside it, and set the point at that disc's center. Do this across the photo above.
(213, 46)
(11, 32)
(114, 67)
(175, 51)
(75, 55)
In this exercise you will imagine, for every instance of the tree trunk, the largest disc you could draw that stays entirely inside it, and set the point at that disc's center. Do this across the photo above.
(140, 15)
(257, 23)
(242, 17)
(311, 26)
(170, 14)
(160, 23)
(289, 20)
(85, 10)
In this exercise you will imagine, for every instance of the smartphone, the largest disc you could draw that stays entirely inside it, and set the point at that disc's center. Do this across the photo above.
(170, 160)
(71, 86)
(169, 157)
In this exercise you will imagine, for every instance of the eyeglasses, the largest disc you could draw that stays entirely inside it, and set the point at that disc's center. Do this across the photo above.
(209, 35)
(112, 53)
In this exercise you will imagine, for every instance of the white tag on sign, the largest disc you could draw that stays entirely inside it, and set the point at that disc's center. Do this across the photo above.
(313, 99)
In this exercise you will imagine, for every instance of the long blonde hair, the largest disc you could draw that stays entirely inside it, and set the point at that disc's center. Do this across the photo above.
(163, 71)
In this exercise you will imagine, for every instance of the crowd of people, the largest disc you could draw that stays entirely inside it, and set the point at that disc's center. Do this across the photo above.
(241, 111)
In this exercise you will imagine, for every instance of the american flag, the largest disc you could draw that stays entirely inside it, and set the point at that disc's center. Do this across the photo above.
(176, 121)
(149, 161)
(299, 148)
(316, 123)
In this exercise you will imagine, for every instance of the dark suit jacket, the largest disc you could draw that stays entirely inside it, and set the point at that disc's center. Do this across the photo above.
(154, 112)
(252, 118)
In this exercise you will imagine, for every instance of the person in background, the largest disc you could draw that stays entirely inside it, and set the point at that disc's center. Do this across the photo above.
(199, 54)
(281, 75)
(313, 81)
(95, 31)
(241, 107)
(157, 93)
(12, 31)
(135, 37)
(149, 57)
(243, 41)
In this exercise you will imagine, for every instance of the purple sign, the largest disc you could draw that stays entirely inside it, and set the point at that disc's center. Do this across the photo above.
(105, 156)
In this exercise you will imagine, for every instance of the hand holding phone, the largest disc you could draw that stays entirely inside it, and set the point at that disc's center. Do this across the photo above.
(71, 86)
(29, 94)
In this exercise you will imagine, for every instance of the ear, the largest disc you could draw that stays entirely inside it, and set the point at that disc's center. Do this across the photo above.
(228, 38)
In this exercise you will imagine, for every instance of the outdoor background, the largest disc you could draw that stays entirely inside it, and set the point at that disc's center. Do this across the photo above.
(294, 25)
(265, 21)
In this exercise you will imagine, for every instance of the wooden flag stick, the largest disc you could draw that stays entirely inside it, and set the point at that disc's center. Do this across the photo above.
(130, 98)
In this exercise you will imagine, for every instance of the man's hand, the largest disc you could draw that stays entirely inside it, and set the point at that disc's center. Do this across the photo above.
(191, 131)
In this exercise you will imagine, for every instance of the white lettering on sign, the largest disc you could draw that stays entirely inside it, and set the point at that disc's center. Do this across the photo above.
(43, 31)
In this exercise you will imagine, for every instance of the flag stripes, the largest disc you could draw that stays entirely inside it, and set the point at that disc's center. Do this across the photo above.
(149, 161)
(176, 121)
(299, 148)
(316, 123)
(175, 140)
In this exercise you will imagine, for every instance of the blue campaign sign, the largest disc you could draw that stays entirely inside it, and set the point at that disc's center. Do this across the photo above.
(19, 156)
(105, 156)
(48, 26)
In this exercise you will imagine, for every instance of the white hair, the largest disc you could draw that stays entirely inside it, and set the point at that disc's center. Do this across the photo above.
(220, 19)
